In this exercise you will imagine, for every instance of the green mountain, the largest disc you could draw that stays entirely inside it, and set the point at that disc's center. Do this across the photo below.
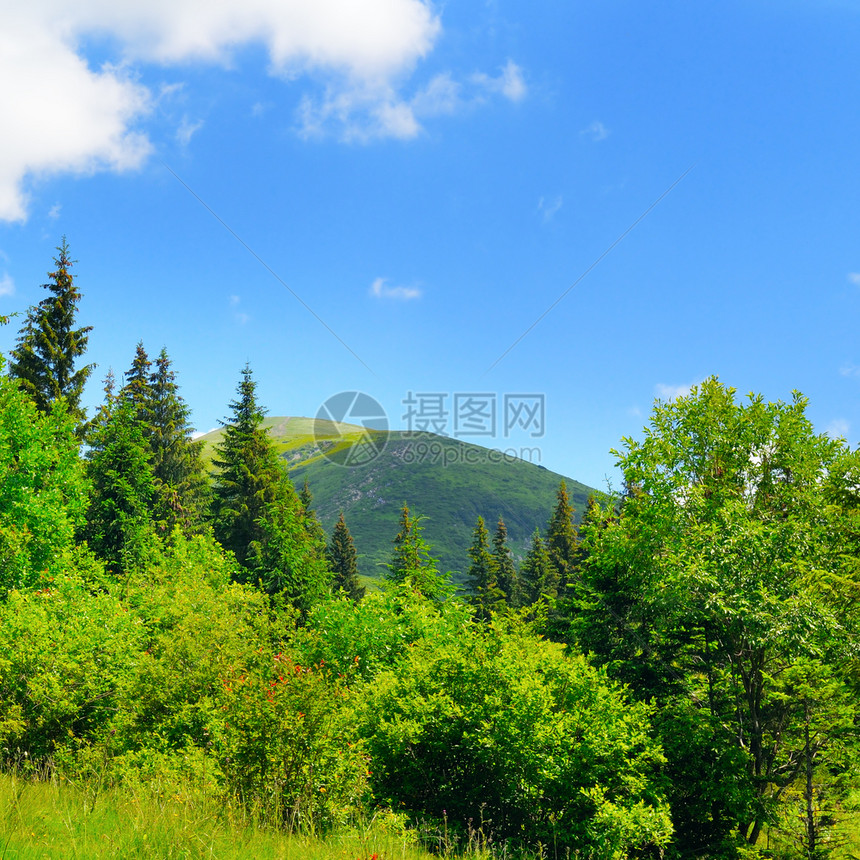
(370, 474)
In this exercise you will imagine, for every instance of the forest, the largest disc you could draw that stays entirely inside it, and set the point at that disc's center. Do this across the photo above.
(674, 677)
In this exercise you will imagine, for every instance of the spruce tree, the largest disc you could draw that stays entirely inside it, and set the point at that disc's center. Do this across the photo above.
(249, 477)
(183, 487)
(343, 561)
(119, 519)
(411, 562)
(137, 390)
(487, 596)
(49, 345)
(312, 523)
(503, 564)
(561, 539)
(538, 575)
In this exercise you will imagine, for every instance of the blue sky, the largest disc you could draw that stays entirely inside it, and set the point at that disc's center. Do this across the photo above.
(429, 179)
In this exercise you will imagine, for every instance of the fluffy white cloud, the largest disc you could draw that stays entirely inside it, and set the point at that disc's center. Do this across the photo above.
(62, 115)
(380, 289)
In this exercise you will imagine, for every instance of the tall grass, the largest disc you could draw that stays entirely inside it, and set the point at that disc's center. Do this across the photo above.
(52, 820)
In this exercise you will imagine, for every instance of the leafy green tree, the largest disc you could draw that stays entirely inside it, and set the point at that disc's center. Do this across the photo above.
(713, 592)
(411, 562)
(343, 560)
(49, 345)
(42, 490)
(249, 478)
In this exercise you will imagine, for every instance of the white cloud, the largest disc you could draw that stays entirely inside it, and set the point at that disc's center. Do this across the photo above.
(7, 285)
(849, 370)
(838, 429)
(509, 83)
(854, 278)
(597, 131)
(672, 392)
(380, 289)
(548, 208)
(54, 211)
(186, 130)
(65, 116)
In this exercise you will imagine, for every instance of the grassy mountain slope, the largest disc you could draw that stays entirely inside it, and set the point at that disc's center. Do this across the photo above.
(448, 481)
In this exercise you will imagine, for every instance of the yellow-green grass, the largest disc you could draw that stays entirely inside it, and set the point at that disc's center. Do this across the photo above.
(58, 821)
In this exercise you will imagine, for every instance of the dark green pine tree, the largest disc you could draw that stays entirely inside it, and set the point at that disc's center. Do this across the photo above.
(411, 562)
(49, 345)
(343, 561)
(183, 487)
(538, 576)
(119, 520)
(249, 477)
(562, 541)
(137, 390)
(312, 523)
(503, 564)
(487, 597)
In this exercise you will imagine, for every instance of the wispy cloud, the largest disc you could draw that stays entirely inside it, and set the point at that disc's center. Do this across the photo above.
(187, 130)
(838, 429)
(7, 285)
(240, 316)
(548, 208)
(671, 392)
(368, 111)
(54, 211)
(597, 131)
(380, 290)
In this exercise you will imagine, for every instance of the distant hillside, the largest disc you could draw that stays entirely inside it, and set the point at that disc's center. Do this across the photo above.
(448, 481)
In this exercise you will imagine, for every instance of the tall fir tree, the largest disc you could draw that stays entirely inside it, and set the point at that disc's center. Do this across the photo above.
(503, 563)
(487, 597)
(562, 540)
(183, 487)
(137, 389)
(343, 560)
(119, 520)
(49, 346)
(249, 477)
(411, 562)
(538, 575)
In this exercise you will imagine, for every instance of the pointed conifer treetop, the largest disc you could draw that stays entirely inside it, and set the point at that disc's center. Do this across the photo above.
(49, 345)
(487, 597)
(343, 560)
(137, 390)
(505, 570)
(538, 576)
(561, 537)
(411, 562)
(250, 477)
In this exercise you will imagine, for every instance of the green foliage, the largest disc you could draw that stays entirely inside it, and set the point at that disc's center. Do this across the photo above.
(561, 539)
(487, 597)
(42, 489)
(119, 526)
(65, 659)
(343, 561)
(538, 576)
(712, 590)
(249, 477)
(494, 727)
(503, 565)
(43, 362)
(411, 562)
